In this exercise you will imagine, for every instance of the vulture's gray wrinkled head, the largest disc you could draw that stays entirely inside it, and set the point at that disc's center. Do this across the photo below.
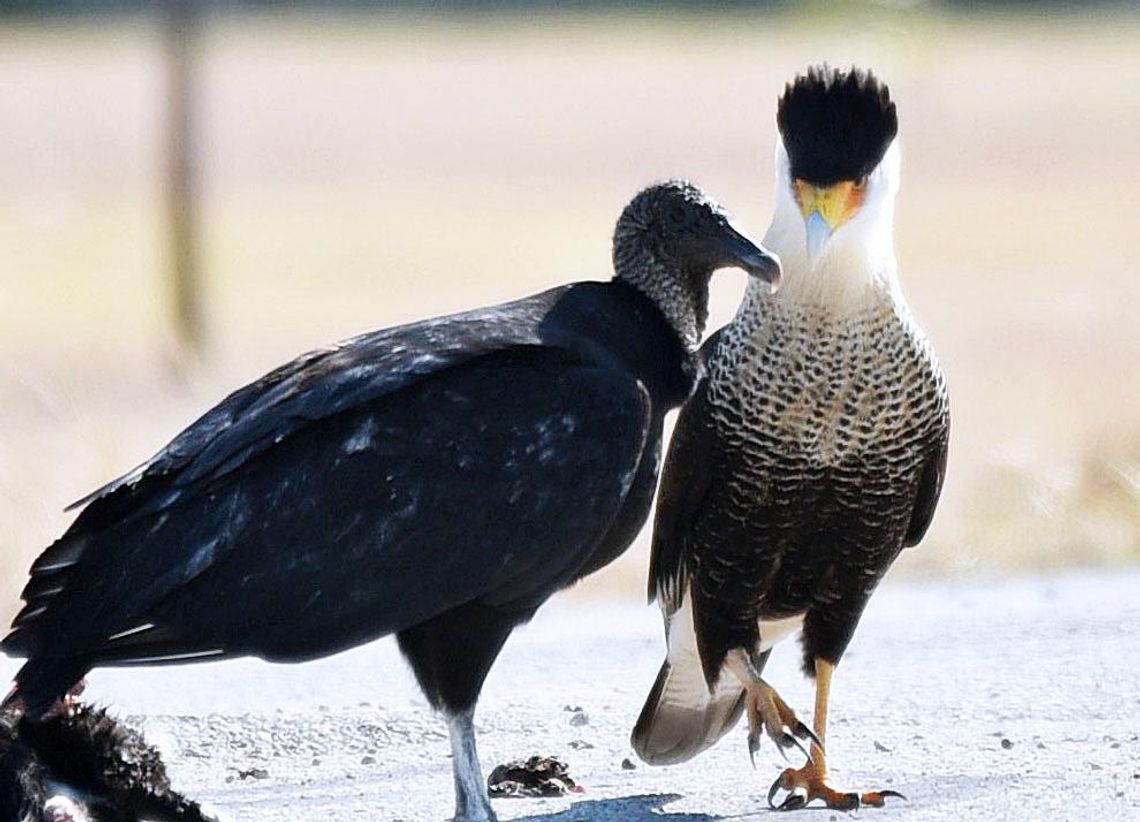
(670, 239)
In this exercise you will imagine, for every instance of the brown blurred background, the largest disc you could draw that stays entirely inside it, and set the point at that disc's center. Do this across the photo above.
(360, 169)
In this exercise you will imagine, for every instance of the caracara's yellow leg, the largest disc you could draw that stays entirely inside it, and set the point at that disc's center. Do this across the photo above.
(811, 781)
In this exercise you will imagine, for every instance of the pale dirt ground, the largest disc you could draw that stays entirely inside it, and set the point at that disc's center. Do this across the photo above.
(939, 674)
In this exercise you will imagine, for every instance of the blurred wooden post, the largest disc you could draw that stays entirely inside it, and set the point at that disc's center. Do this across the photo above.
(181, 27)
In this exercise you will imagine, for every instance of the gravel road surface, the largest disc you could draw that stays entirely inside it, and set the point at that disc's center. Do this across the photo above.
(1008, 699)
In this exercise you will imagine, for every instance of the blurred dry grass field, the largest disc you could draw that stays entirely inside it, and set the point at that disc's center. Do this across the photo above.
(363, 171)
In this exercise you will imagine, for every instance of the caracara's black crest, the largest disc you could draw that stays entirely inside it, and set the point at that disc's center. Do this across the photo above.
(836, 125)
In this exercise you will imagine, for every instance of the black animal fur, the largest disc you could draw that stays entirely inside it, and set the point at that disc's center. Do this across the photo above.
(115, 776)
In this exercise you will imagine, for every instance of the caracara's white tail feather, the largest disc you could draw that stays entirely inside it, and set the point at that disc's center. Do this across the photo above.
(681, 718)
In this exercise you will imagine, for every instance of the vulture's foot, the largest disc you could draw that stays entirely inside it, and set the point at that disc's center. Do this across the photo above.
(805, 785)
(769, 713)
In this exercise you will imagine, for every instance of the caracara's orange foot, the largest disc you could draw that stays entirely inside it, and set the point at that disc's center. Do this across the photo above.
(811, 782)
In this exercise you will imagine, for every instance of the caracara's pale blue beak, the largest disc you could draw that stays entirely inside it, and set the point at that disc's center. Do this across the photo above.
(818, 233)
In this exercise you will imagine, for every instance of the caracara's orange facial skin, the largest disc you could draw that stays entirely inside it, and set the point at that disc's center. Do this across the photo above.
(836, 203)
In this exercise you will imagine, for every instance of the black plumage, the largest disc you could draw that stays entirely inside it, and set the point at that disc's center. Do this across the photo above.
(438, 481)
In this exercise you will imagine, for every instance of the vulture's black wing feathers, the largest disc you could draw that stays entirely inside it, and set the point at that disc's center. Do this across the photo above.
(370, 497)
(324, 382)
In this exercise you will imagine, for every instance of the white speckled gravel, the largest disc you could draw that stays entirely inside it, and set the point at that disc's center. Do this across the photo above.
(1016, 699)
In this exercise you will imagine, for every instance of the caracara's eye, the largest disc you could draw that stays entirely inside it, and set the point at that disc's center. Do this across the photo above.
(861, 183)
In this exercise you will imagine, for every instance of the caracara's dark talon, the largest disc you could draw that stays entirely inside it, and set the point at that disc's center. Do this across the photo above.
(753, 747)
(777, 786)
(794, 741)
(804, 730)
(876, 799)
(794, 801)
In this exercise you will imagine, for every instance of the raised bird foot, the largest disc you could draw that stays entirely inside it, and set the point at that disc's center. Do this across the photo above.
(768, 712)
(811, 782)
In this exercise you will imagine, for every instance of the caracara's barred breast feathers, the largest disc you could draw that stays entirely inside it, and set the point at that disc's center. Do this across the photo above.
(806, 385)
(827, 423)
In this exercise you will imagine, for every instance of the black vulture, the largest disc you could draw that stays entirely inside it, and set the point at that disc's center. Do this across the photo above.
(83, 765)
(810, 454)
(438, 481)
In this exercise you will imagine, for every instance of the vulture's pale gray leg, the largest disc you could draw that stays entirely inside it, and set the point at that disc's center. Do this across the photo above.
(471, 801)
